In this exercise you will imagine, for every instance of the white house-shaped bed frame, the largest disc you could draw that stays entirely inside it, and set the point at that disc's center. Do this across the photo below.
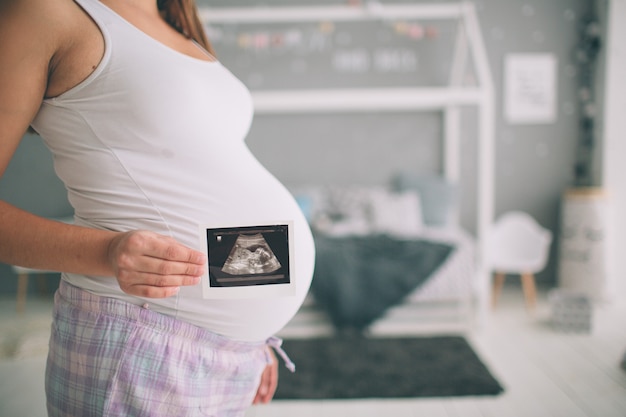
(469, 45)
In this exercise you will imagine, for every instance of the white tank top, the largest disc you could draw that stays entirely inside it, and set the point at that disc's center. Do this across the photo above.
(154, 139)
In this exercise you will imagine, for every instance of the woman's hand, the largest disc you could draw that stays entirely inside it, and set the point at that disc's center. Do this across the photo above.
(269, 382)
(148, 264)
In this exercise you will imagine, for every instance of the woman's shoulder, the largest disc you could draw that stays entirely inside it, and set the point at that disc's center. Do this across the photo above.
(33, 10)
(53, 44)
(54, 38)
(34, 32)
(46, 20)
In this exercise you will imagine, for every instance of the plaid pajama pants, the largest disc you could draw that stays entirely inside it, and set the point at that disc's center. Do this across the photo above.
(111, 358)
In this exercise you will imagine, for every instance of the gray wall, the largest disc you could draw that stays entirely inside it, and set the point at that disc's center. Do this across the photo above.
(533, 162)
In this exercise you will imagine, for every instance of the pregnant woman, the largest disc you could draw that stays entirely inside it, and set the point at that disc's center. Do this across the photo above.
(147, 130)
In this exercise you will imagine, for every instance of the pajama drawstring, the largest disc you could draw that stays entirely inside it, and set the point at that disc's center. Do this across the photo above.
(276, 343)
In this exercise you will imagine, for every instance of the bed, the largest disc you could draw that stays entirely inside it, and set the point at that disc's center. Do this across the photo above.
(390, 259)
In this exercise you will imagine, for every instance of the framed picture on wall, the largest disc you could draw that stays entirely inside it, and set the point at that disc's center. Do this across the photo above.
(530, 88)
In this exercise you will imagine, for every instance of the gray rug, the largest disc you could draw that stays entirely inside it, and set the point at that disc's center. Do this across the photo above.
(351, 367)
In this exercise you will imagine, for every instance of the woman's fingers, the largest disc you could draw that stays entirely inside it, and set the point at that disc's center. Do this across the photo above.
(269, 382)
(129, 245)
(151, 285)
(166, 248)
(160, 269)
(150, 265)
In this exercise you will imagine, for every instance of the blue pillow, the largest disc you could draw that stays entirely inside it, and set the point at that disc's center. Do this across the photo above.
(306, 205)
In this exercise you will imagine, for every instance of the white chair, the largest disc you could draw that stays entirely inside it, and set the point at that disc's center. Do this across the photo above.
(518, 245)
(22, 284)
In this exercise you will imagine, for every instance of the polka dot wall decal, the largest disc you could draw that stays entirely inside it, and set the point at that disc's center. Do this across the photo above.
(542, 150)
(581, 56)
(327, 27)
(497, 33)
(594, 30)
(383, 36)
(508, 137)
(590, 110)
(584, 93)
(570, 70)
(343, 38)
(244, 60)
(528, 10)
(299, 66)
(255, 79)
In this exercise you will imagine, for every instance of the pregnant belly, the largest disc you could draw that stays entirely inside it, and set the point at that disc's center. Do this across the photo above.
(254, 199)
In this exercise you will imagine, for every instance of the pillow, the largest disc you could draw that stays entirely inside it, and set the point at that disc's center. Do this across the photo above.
(438, 197)
(305, 202)
(359, 210)
(335, 210)
(397, 214)
(308, 199)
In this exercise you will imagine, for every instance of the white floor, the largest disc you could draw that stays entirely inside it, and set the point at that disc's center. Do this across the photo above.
(544, 372)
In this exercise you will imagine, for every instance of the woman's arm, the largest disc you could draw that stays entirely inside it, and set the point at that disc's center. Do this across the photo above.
(144, 263)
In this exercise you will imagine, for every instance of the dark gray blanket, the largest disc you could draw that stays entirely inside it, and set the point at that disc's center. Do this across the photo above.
(358, 278)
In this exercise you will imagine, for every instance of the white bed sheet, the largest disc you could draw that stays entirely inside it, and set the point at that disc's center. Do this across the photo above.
(456, 278)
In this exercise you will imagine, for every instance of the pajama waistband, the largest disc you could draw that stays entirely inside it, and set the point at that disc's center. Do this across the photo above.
(160, 322)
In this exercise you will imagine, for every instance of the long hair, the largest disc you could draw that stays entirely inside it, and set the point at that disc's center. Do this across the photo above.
(182, 15)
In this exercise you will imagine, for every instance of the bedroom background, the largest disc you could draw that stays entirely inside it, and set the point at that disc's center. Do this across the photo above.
(535, 162)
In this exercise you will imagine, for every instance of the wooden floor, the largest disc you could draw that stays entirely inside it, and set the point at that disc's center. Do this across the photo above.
(544, 372)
